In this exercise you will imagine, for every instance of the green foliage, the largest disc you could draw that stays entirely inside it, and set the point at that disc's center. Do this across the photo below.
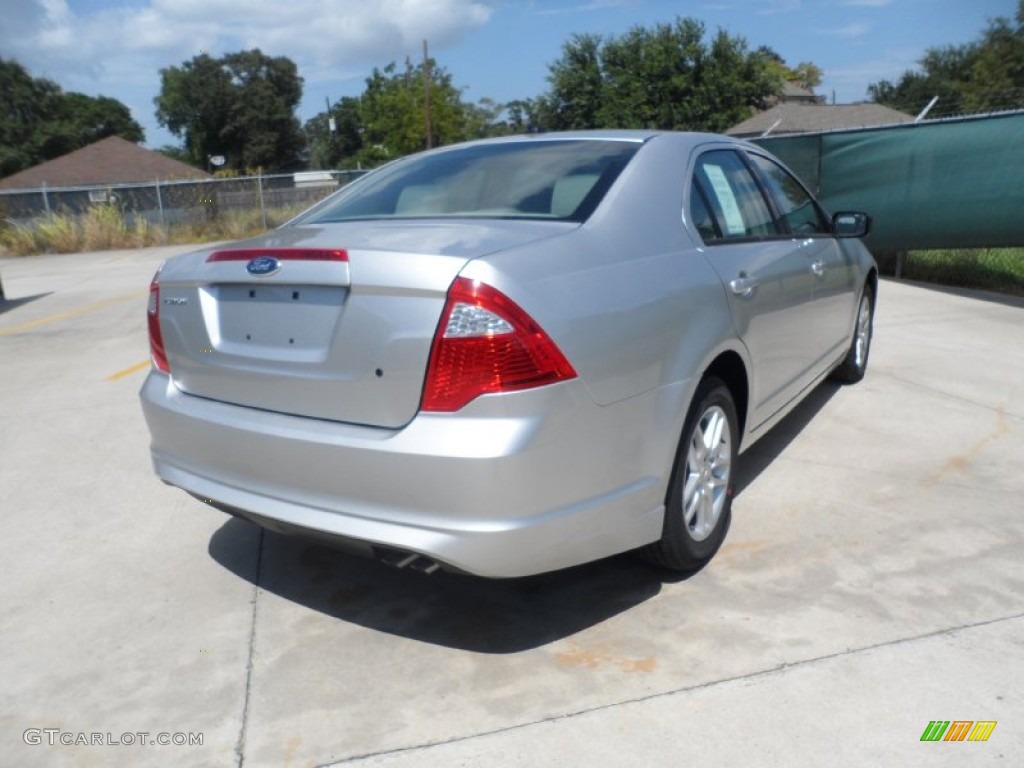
(388, 119)
(337, 149)
(240, 106)
(39, 122)
(805, 74)
(665, 77)
(992, 269)
(987, 74)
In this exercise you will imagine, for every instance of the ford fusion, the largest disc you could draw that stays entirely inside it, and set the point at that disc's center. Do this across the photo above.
(509, 356)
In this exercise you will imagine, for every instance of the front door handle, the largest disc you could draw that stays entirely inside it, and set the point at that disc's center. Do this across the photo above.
(743, 285)
(818, 268)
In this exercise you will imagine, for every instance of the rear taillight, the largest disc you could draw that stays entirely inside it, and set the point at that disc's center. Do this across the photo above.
(156, 339)
(486, 343)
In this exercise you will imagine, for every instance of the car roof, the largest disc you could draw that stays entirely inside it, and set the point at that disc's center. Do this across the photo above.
(693, 138)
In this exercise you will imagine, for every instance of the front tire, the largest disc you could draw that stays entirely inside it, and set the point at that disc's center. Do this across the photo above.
(698, 506)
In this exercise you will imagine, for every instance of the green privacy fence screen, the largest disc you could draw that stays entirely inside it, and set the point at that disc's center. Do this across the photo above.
(942, 184)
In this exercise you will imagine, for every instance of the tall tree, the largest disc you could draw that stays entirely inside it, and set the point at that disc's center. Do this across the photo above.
(241, 106)
(999, 68)
(388, 119)
(338, 148)
(577, 86)
(945, 72)
(392, 110)
(39, 122)
(981, 75)
(805, 74)
(666, 77)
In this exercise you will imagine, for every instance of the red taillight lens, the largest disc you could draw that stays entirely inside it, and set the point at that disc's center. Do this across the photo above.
(156, 338)
(282, 254)
(486, 343)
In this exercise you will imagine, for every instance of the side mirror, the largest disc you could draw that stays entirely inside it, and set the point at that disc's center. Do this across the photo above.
(851, 224)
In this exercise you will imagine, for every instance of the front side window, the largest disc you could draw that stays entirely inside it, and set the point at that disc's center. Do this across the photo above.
(561, 180)
(800, 213)
(724, 186)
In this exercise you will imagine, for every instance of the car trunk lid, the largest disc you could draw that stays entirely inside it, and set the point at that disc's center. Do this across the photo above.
(338, 327)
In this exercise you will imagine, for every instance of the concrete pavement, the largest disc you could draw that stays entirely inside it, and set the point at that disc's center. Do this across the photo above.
(872, 582)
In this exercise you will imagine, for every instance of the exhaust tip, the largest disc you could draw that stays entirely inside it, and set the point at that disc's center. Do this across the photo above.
(401, 559)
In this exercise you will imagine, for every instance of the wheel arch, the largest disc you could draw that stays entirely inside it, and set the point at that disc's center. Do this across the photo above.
(729, 367)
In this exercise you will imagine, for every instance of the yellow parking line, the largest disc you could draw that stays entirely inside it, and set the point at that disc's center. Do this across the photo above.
(71, 313)
(129, 370)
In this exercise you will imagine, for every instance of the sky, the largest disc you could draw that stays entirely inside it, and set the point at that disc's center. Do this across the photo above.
(498, 49)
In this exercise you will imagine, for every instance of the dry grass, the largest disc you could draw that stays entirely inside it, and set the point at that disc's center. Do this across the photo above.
(104, 227)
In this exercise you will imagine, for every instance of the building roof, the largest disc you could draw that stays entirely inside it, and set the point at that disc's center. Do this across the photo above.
(112, 160)
(795, 93)
(811, 118)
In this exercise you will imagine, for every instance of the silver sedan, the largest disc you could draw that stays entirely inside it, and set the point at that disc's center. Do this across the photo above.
(509, 356)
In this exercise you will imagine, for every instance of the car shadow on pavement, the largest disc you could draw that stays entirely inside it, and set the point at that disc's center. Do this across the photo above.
(6, 305)
(496, 616)
(762, 453)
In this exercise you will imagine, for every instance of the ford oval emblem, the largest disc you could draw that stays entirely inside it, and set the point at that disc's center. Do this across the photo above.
(263, 266)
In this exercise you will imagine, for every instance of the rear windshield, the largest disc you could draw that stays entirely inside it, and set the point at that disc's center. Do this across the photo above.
(561, 180)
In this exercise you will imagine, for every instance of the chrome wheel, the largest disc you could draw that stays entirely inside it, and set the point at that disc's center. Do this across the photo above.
(708, 468)
(862, 340)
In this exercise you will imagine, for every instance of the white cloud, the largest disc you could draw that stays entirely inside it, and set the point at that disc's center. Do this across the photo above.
(593, 5)
(856, 29)
(779, 6)
(59, 39)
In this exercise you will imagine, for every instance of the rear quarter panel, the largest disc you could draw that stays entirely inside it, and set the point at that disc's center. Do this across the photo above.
(628, 296)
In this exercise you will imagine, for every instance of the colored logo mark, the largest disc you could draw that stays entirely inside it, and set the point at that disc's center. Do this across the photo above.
(264, 265)
(958, 730)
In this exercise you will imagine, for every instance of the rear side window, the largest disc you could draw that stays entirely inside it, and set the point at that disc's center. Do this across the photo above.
(725, 187)
(800, 213)
(561, 180)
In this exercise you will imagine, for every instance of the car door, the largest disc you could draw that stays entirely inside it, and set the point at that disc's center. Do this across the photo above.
(766, 275)
(834, 288)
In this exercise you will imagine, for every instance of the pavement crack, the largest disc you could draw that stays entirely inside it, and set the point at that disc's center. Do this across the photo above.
(782, 666)
(240, 746)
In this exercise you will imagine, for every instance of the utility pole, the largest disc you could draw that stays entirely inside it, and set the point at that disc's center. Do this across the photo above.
(426, 95)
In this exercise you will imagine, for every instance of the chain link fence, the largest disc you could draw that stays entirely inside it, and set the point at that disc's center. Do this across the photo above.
(273, 198)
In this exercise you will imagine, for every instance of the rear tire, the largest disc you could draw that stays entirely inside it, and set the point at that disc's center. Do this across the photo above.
(855, 364)
(698, 506)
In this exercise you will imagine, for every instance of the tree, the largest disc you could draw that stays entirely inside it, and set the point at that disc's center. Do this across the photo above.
(806, 74)
(577, 86)
(39, 122)
(946, 73)
(484, 119)
(392, 110)
(983, 75)
(998, 80)
(388, 119)
(240, 106)
(337, 149)
(664, 77)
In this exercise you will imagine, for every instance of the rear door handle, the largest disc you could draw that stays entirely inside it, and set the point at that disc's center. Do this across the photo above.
(818, 268)
(743, 285)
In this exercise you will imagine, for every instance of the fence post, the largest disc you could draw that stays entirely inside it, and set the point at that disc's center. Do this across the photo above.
(263, 210)
(159, 201)
(901, 259)
(46, 199)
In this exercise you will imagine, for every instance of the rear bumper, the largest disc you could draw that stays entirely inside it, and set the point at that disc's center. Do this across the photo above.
(509, 486)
